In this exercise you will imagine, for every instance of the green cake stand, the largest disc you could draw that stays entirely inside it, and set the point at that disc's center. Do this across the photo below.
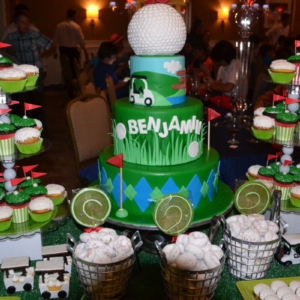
(221, 205)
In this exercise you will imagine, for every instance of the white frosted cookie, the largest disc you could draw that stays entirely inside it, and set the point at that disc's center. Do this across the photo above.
(235, 228)
(207, 247)
(259, 287)
(108, 230)
(266, 292)
(272, 226)
(106, 237)
(94, 244)
(289, 296)
(211, 260)
(260, 226)
(276, 284)
(102, 259)
(244, 222)
(196, 250)
(283, 290)
(106, 250)
(198, 238)
(251, 236)
(231, 219)
(272, 297)
(122, 244)
(172, 253)
(294, 285)
(201, 266)
(182, 239)
(218, 251)
(255, 217)
(186, 261)
(271, 236)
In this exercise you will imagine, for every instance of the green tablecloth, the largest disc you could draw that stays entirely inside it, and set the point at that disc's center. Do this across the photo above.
(145, 285)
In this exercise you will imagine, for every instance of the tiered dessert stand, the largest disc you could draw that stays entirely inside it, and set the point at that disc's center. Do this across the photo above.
(23, 239)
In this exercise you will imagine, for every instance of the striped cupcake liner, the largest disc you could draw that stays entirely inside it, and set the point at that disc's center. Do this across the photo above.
(20, 215)
(285, 191)
(284, 133)
(7, 146)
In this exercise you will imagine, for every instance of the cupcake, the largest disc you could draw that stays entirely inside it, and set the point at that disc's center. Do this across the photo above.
(252, 172)
(263, 127)
(7, 138)
(297, 179)
(275, 166)
(5, 217)
(5, 63)
(295, 195)
(13, 118)
(19, 202)
(32, 73)
(272, 111)
(282, 71)
(40, 209)
(12, 80)
(285, 124)
(35, 191)
(28, 182)
(283, 182)
(28, 140)
(294, 170)
(56, 193)
(24, 122)
(268, 183)
(38, 125)
(266, 173)
(280, 105)
(259, 111)
(2, 195)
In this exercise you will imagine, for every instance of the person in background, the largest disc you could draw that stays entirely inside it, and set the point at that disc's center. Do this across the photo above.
(12, 26)
(29, 47)
(207, 38)
(283, 28)
(267, 54)
(107, 54)
(187, 52)
(68, 36)
(223, 55)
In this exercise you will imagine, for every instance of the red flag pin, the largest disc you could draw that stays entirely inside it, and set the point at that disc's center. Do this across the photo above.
(297, 43)
(291, 100)
(116, 161)
(287, 162)
(211, 114)
(3, 45)
(2, 179)
(36, 174)
(12, 102)
(270, 156)
(28, 168)
(4, 110)
(16, 181)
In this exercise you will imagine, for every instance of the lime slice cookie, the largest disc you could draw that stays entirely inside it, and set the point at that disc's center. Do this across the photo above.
(252, 198)
(173, 214)
(90, 207)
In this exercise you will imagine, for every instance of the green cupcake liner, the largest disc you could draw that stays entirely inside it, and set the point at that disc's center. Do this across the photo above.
(13, 86)
(284, 133)
(250, 178)
(5, 225)
(263, 134)
(31, 80)
(58, 200)
(20, 215)
(30, 149)
(295, 201)
(7, 147)
(283, 78)
(41, 217)
(285, 191)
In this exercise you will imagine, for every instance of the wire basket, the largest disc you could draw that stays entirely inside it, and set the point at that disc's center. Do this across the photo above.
(249, 260)
(190, 285)
(104, 281)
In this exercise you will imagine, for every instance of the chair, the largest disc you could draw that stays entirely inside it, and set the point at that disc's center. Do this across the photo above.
(111, 91)
(89, 123)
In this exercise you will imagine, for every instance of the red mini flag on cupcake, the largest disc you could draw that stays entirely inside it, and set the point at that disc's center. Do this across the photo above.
(36, 174)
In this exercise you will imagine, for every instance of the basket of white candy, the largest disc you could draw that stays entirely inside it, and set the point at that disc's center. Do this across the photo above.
(252, 242)
(191, 267)
(104, 262)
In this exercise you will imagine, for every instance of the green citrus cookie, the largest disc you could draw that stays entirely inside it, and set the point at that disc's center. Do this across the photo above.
(252, 198)
(90, 207)
(173, 214)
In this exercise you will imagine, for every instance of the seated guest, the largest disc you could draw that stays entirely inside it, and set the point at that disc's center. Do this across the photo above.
(223, 55)
(187, 51)
(267, 54)
(107, 56)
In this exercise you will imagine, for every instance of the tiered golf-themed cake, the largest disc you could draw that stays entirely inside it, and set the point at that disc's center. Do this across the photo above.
(158, 129)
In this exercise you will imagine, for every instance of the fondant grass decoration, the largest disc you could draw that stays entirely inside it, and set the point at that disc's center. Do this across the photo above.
(150, 150)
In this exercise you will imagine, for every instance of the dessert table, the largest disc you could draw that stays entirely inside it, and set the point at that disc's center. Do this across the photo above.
(146, 284)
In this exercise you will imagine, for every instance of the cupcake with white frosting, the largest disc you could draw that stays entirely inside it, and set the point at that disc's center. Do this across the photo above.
(41, 209)
(12, 80)
(28, 140)
(282, 71)
(263, 127)
(252, 172)
(6, 214)
(295, 195)
(259, 111)
(32, 73)
(56, 193)
(38, 125)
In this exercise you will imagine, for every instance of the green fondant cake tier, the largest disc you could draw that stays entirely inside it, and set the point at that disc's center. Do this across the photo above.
(158, 136)
(143, 185)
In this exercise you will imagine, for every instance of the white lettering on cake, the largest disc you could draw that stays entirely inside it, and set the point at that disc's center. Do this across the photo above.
(152, 123)
(183, 127)
(142, 126)
(165, 130)
(133, 129)
(174, 124)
